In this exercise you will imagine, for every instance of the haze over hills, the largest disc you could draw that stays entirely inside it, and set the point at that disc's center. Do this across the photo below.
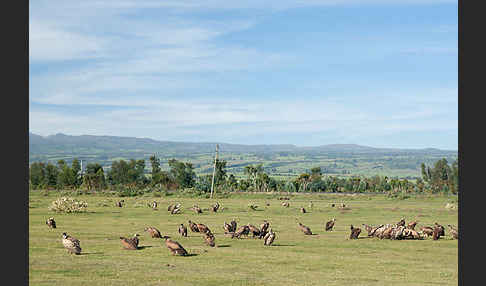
(281, 158)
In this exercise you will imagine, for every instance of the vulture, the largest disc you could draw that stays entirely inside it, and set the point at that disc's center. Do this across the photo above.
(269, 238)
(193, 226)
(202, 227)
(242, 230)
(172, 207)
(227, 228)
(154, 233)
(197, 209)
(412, 224)
(401, 222)
(130, 243)
(154, 205)
(302, 210)
(387, 232)
(330, 224)
(175, 210)
(437, 233)
(71, 244)
(51, 222)
(233, 225)
(183, 230)
(209, 238)
(427, 230)
(119, 204)
(286, 204)
(264, 228)
(215, 207)
(254, 230)
(441, 232)
(253, 207)
(368, 228)
(174, 246)
(355, 231)
(305, 229)
(453, 231)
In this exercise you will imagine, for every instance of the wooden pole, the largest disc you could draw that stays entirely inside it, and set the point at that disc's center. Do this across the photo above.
(214, 171)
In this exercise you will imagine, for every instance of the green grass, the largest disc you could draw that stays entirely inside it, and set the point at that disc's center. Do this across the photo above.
(327, 258)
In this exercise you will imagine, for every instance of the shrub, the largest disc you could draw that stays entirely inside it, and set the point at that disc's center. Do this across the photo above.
(68, 205)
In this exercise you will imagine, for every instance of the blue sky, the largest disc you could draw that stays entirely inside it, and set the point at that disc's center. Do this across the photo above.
(370, 72)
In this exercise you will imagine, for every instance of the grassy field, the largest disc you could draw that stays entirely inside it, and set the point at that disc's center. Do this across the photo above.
(326, 258)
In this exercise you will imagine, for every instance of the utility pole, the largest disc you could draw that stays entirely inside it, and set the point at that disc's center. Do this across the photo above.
(214, 170)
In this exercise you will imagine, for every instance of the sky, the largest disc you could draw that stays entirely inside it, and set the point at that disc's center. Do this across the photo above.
(380, 73)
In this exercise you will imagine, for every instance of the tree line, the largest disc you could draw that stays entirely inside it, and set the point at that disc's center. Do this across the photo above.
(442, 177)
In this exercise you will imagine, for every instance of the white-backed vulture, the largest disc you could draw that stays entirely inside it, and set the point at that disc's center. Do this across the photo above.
(51, 222)
(130, 243)
(330, 224)
(72, 244)
(355, 231)
(174, 247)
(306, 230)
(183, 230)
(193, 226)
(269, 238)
(154, 233)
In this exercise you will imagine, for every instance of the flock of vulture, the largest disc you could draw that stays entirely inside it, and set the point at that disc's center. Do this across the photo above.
(396, 231)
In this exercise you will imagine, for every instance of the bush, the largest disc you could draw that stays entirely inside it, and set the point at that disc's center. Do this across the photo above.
(68, 205)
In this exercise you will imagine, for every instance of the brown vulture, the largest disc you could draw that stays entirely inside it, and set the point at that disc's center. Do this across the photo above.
(264, 228)
(427, 230)
(302, 210)
(453, 231)
(355, 231)
(227, 228)
(242, 230)
(202, 227)
(197, 209)
(174, 247)
(412, 224)
(233, 225)
(71, 244)
(209, 238)
(154, 233)
(215, 207)
(193, 226)
(437, 233)
(183, 230)
(51, 223)
(330, 224)
(130, 243)
(269, 238)
(441, 232)
(401, 222)
(254, 230)
(305, 229)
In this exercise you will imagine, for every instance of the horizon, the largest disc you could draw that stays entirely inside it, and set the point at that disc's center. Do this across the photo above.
(276, 144)
(382, 73)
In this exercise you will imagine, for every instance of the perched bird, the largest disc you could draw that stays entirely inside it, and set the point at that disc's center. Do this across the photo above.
(254, 230)
(119, 203)
(154, 205)
(330, 224)
(412, 224)
(302, 210)
(197, 209)
(401, 222)
(286, 204)
(183, 230)
(174, 247)
(170, 207)
(154, 233)
(71, 244)
(233, 225)
(202, 227)
(175, 211)
(442, 230)
(269, 238)
(264, 228)
(242, 230)
(215, 207)
(193, 226)
(227, 228)
(209, 238)
(454, 232)
(51, 222)
(427, 230)
(305, 229)
(355, 231)
(437, 233)
(130, 243)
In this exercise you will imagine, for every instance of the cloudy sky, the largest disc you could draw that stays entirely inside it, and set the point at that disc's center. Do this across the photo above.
(381, 73)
